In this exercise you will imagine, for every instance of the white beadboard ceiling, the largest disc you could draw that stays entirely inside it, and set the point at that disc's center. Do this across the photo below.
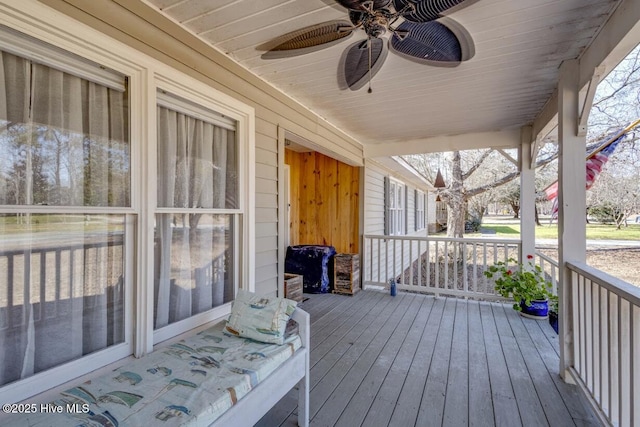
(519, 46)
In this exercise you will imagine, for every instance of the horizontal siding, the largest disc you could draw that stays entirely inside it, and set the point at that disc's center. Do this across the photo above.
(374, 198)
(374, 223)
(266, 157)
(265, 257)
(266, 171)
(266, 203)
(266, 200)
(266, 229)
(264, 215)
(266, 186)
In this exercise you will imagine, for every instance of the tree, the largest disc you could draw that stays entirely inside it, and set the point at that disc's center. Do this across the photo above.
(615, 193)
(615, 197)
(511, 197)
(470, 174)
(473, 184)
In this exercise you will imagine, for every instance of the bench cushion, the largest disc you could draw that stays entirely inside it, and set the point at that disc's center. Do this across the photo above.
(186, 383)
(260, 318)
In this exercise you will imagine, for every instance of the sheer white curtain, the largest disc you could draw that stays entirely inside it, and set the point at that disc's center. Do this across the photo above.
(64, 143)
(197, 170)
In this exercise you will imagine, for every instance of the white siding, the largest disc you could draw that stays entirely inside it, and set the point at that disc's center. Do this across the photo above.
(431, 210)
(374, 198)
(266, 212)
(374, 220)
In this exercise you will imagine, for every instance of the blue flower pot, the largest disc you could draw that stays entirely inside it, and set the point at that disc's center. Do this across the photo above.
(553, 320)
(539, 309)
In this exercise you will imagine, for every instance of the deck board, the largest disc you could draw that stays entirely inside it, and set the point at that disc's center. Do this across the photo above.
(456, 407)
(359, 361)
(406, 410)
(361, 402)
(529, 406)
(479, 382)
(431, 410)
(387, 398)
(505, 408)
(554, 408)
(353, 346)
(416, 360)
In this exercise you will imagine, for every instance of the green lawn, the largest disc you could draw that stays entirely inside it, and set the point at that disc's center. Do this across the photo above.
(10, 223)
(547, 231)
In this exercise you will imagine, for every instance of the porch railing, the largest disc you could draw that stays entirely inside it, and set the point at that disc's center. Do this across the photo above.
(606, 342)
(437, 265)
(47, 278)
(550, 268)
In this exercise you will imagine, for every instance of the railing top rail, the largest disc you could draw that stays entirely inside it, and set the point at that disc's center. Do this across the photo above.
(118, 241)
(547, 259)
(446, 239)
(617, 286)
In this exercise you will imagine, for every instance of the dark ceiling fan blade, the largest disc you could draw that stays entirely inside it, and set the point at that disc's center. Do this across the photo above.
(307, 40)
(356, 62)
(356, 17)
(425, 10)
(358, 4)
(434, 43)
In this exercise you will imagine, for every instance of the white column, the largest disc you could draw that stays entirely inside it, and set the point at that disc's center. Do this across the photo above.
(571, 202)
(527, 196)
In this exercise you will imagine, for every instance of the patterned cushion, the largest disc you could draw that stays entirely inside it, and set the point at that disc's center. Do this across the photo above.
(189, 383)
(260, 318)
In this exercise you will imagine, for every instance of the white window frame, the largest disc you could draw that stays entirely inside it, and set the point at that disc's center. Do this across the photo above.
(397, 207)
(145, 75)
(421, 203)
(26, 387)
(198, 93)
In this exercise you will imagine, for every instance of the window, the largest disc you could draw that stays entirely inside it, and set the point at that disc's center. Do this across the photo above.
(395, 207)
(421, 198)
(113, 237)
(197, 193)
(65, 186)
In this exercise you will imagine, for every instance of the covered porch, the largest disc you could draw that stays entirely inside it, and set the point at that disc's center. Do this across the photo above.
(418, 360)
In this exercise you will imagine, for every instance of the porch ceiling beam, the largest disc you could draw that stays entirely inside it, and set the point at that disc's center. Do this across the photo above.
(547, 118)
(535, 146)
(500, 139)
(538, 141)
(508, 156)
(587, 102)
(618, 36)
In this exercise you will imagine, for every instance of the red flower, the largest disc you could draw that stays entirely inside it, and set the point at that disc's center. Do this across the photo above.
(509, 272)
(529, 256)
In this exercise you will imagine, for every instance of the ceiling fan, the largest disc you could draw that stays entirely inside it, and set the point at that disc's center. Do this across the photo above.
(416, 30)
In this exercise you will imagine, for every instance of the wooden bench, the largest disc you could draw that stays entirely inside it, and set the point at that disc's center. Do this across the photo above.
(190, 382)
(295, 371)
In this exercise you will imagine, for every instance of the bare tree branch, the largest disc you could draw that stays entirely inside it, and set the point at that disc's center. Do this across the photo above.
(477, 164)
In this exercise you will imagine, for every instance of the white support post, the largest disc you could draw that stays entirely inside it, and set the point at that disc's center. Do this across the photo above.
(571, 203)
(527, 196)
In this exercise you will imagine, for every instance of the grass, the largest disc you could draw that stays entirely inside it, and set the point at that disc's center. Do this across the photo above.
(58, 223)
(550, 231)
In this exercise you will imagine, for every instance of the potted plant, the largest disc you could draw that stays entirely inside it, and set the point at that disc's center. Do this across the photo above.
(526, 285)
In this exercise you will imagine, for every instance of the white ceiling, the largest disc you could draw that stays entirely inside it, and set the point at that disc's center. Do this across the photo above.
(519, 46)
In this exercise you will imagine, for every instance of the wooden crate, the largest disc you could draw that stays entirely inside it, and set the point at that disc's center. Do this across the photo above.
(293, 286)
(346, 274)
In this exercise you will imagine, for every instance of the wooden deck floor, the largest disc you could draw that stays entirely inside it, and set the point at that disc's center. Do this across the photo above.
(415, 360)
